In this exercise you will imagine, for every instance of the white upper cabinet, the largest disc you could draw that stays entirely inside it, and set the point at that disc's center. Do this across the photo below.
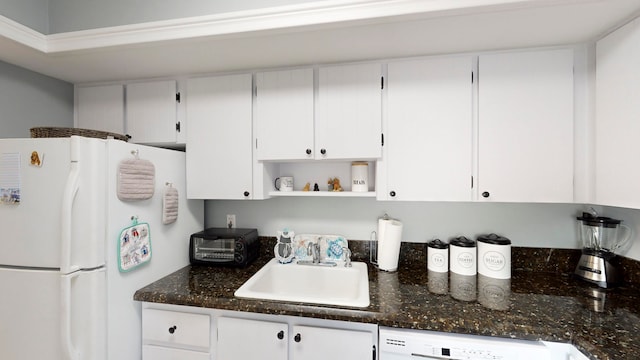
(428, 134)
(219, 151)
(100, 108)
(284, 115)
(618, 118)
(349, 112)
(525, 127)
(152, 112)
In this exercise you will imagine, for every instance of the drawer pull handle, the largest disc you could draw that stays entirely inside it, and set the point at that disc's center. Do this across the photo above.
(172, 329)
(281, 334)
(297, 338)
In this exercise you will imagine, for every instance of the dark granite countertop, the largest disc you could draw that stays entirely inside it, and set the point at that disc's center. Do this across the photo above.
(542, 305)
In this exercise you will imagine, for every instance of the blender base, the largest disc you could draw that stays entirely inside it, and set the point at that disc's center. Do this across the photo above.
(599, 270)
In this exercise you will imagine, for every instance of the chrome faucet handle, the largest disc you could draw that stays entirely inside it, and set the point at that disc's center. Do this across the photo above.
(347, 256)
(313, 249)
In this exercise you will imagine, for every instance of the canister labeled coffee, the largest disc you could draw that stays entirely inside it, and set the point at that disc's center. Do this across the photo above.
(494, 256)
(462, 259)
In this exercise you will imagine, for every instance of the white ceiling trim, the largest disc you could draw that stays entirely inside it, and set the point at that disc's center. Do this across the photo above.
(22, 34)
(259, 20)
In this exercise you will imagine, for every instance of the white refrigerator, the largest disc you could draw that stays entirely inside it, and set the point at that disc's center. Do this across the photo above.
(62, 292)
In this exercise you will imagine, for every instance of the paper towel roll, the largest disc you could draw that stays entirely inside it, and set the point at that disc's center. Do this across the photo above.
(389, 238)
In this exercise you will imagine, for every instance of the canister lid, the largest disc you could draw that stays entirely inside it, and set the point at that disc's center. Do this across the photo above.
(494, 239)
(437, 244)
(591, 220)
(462, 241)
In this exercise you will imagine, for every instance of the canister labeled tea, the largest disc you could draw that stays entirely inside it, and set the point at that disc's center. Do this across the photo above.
(438, 256)
(462, 258)
(494, 256)
(359, 176)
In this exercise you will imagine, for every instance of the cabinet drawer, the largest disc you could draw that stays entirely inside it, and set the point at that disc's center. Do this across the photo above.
(171, 328)
(150, 352)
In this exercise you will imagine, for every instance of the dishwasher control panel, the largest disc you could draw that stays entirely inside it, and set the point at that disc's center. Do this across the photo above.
(397, 344)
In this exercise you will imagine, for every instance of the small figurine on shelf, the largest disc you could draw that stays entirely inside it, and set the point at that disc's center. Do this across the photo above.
(330, 184)
(315, 187)
(306, 187)
(336, 185)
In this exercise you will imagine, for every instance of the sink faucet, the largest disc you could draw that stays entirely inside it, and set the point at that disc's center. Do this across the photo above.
(313, 249)
(347, 256)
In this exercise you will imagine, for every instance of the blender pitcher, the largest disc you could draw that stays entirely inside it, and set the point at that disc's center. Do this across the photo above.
(602, 233)
(600, 240)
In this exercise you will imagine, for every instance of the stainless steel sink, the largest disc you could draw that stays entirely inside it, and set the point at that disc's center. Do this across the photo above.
(339, 285)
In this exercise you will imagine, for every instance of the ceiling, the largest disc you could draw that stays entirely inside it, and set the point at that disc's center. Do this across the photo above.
(297, 36)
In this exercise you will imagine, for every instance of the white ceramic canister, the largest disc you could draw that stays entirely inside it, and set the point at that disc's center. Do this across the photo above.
(359, 176)
(494, 256)
(438, 256)
(462, 256)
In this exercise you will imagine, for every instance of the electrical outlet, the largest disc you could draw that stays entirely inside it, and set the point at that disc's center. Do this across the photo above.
(231, 221)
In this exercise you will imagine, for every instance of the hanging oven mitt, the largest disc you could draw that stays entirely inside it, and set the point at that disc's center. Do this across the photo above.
(169, 204)
(136, 179)
(134, 246)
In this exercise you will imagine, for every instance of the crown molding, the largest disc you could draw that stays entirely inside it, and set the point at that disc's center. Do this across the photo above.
(268, 20)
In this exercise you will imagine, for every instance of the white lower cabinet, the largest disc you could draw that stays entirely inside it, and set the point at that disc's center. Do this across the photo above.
(164, 353)
(183, 332)
(319, 343)
(309, 339)
(175, 335)
(268, 339)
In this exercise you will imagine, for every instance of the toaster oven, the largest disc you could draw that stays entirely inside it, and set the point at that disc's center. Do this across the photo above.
(223, 246)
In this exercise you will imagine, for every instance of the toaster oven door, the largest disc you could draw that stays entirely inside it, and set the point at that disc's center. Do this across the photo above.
(214, 250)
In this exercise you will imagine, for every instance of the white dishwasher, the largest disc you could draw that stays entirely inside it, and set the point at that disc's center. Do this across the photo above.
(401, 344)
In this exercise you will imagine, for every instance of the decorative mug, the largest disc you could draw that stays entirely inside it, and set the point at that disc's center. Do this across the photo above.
(284, 183)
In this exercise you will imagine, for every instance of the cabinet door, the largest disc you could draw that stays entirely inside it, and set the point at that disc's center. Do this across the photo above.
(152, 111)
(429, 129)
(349, 123)
(150, 352)
(617, 113)
(176, 329)
(316, 343)
(284, 115)
(219, 156)
(525, 141)
(100, 108)
(251, 340)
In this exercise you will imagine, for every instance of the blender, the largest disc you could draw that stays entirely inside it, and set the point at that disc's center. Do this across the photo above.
(600, 239)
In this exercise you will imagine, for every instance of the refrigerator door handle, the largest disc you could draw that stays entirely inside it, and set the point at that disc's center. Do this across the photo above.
(70, 190)
(68, 348)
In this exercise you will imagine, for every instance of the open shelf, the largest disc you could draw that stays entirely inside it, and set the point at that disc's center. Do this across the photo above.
(322, 193)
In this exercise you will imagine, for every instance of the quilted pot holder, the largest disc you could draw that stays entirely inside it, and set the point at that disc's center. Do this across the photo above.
(169, 205)
(136, 179)
(134, 246)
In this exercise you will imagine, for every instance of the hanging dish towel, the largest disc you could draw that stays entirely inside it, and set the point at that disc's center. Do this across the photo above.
(134, 246)
(136, 179)
(169, 204)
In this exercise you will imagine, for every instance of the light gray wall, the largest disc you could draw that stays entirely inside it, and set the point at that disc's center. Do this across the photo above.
(31, 13)
(529, 225)
(535, 225)
(29, 99)
(631, 218)
(72, 15)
